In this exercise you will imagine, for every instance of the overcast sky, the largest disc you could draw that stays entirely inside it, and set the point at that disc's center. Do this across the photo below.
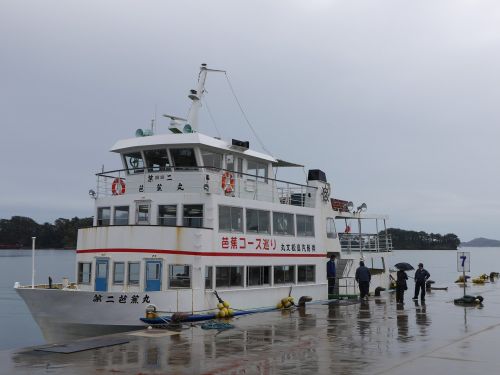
(397, 101)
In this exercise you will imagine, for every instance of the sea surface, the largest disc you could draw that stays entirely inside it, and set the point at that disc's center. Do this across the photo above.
(18, 329)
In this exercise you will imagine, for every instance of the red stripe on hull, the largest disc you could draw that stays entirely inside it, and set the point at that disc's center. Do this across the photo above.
(211, 253)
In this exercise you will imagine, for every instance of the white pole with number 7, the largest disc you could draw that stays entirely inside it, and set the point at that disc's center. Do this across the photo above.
(463, 264)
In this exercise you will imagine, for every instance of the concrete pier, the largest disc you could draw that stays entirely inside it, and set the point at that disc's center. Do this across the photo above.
(370, 337)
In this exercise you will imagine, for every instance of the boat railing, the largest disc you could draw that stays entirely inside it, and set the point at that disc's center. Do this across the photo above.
(365, 242)
(50, 286)
(210, 180)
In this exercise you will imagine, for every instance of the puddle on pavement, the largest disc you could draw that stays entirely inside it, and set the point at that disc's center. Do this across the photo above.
(346, 338)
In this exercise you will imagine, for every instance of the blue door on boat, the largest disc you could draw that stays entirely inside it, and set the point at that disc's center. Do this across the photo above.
(101, 275)
(153, 275)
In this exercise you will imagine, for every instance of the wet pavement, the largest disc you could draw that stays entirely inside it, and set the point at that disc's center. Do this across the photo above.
(370, 337)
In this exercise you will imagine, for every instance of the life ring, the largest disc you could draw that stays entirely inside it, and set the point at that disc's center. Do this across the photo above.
(347, 229)
(227, 182)
(118, 186)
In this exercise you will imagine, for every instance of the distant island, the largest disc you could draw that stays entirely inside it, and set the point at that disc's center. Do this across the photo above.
(16, 232)
(411, 240)
(481, 242)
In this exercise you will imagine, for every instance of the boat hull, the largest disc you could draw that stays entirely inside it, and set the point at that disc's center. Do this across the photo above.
(72, 314)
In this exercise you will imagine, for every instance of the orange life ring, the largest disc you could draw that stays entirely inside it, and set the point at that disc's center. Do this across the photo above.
(227, 182)
(118, 186)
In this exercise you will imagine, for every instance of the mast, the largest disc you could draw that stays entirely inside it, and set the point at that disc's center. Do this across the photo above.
(196, 96)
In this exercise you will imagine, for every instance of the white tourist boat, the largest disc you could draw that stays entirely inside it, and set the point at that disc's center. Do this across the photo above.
(190, 214)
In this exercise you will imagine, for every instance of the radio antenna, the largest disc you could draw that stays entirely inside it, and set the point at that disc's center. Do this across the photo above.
(153, 121)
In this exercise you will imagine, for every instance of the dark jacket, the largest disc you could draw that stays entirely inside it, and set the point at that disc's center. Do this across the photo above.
(330, 269)
(421, 275)
(401, 279)
(363, 274)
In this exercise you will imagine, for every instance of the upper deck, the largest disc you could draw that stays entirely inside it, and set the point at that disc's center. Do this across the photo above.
(197, 163)
(186, 178)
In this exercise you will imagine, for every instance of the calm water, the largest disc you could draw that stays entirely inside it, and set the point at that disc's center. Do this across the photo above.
(17, 328)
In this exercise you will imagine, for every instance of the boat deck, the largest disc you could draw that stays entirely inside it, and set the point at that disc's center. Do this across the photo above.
(372, 337)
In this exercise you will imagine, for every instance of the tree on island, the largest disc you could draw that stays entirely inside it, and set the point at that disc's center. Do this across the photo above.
(411, 240)
(18, 230)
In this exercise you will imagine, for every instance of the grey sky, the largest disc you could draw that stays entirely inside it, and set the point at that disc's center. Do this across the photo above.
(397, 101)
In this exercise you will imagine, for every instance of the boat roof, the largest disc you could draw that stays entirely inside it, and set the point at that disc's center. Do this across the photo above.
(192, 139)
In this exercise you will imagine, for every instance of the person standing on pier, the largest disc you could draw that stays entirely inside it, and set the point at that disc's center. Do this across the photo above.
(363, 277)
(401, 286)
(421, 276)
(331, 273)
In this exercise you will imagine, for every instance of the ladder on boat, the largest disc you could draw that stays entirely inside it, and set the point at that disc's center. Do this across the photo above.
(345, 286)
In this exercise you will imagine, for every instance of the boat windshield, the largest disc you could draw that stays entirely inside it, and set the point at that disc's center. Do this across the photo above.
(183, 158)
(134, 162)
(211, 159)
(157, 160)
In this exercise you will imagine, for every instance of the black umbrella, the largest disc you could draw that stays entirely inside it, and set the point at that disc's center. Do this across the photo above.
(404, 266)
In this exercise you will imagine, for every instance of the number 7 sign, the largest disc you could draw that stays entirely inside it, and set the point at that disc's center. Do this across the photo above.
(463, 261)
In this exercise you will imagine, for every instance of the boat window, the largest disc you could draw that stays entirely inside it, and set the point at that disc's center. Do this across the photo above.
(157, 160)
(227, 277)
(193, 215)
(258, 275)
(258, 221)
(153, 270)
(209, 277)
(134, 162)
(211, 159)
(230, 162)
(305, 226)
(284, 274)
(142, 213)
(283, 223)
(121, 215)
(179, 276)
(167, 215)
(183, 158)
(230, 219)
(257, 170)
(330, 228)
(103, 216)
(134, 270)
(84, 272)
(102, 270)
(306, 273)
(118, 273)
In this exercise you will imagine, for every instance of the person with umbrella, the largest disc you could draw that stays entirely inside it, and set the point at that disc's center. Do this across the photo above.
(401, 286)
(421, 276)
(401, 281)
